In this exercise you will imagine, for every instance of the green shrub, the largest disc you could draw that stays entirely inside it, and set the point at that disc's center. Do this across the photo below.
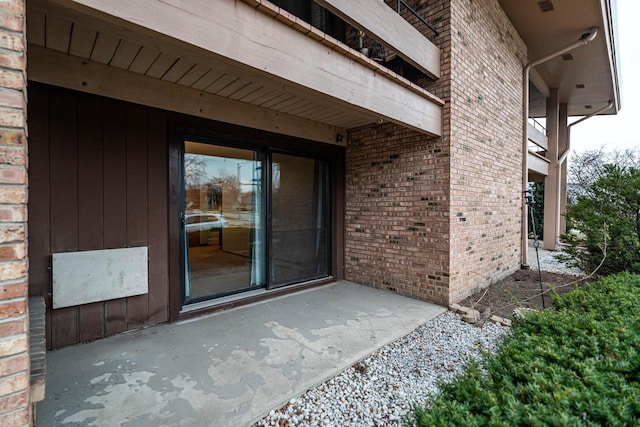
(608, 213)
(536, 210)
(576, 365)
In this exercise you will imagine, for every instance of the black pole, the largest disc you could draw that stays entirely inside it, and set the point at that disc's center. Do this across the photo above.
(536, 243)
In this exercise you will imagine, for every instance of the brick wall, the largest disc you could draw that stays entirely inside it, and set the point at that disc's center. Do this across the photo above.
(14, 357)
(486, 157)
(396, 212)
(438, 218)
(397, 195)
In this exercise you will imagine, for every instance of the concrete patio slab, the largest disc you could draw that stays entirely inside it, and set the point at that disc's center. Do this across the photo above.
(226, 369)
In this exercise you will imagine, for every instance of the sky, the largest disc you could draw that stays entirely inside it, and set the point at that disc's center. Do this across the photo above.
(620, 131)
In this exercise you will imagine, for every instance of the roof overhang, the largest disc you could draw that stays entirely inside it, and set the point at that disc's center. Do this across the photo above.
(590, 79)
(247, 63)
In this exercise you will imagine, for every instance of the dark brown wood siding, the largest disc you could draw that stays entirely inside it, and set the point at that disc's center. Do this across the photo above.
(98, 179)
(106, 174)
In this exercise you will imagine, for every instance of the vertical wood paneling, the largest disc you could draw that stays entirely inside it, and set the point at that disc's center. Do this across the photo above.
(157, 194)
(175, 232)
(98, 180)
(39, 225)
(115, 200)
(39, 230)
(137, 204)
(90, 200)
(63, 199)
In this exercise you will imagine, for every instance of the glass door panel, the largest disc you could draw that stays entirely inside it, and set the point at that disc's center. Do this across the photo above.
(300, 219)
(223, 221)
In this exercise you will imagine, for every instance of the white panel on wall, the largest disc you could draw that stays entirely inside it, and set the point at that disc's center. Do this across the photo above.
(92, 276)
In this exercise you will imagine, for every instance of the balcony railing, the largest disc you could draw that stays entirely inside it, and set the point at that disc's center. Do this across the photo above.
(536, 124)
(414, 13)
(395, 45)
(537, 137)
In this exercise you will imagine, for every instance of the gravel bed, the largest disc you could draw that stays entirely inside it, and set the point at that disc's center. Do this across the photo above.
(379, 390)
(552, 265)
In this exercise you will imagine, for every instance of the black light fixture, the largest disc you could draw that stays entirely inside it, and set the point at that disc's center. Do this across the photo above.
(339, 138)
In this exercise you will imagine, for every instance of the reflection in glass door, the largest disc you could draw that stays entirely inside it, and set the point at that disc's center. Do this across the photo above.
(223, 221)
(300, 219)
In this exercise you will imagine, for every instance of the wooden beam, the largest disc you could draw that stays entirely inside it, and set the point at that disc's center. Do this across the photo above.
(384, 25)
(55, 68)
(234, 31)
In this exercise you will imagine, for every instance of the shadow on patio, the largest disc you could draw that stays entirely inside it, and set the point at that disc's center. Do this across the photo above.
(226, 369)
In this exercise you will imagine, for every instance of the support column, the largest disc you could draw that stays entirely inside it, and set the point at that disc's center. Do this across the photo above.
(14, 320)
(551, 188)
(563, 145)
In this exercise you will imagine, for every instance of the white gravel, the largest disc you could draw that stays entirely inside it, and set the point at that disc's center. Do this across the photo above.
(379, 390)
(552, 265)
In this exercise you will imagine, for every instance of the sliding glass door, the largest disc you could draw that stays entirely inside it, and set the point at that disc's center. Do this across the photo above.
(300, 234)
(245, 228)
(223, 221)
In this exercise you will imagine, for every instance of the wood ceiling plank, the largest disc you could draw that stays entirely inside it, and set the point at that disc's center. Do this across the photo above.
(125, 54)
(178, 70)
(194, 74)
(234, 87)
(221, 83)
(105, 47)
(247, 90)
(82, 40)
(48, 66)
(284, 104)
(36, 27)
(312, 111)
(205, 81)
(144, 59)
(161, 65)
(253, 96)
(300, 103)
(58, 33)
(273, 101)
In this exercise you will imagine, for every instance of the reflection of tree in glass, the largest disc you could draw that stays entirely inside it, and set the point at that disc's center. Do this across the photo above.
(230, 188)
(194, 170)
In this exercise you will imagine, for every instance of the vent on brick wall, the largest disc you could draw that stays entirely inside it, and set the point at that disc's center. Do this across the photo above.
(580, 86)
(567, 57)
(546, 5)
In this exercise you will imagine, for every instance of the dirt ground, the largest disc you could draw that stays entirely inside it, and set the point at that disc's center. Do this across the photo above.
(521, 289)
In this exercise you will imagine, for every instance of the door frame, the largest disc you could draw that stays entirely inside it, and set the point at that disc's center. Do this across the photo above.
(182, 127)
(327, 212)
(262, 155)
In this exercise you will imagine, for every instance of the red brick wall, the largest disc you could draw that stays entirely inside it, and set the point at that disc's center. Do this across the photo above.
(486, 156)
(14, 356)
(396, 215)
(397, 195)
(438, 218)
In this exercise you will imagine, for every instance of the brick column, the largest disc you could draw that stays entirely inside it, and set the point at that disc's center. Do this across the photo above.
(14, 347)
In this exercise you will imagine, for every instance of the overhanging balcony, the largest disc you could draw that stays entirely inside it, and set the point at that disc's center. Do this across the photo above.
(248, 63)
(538, 145)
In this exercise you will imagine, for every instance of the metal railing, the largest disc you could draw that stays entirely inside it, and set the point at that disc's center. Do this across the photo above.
(532, 146)
(537, 125)
(410, 9)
